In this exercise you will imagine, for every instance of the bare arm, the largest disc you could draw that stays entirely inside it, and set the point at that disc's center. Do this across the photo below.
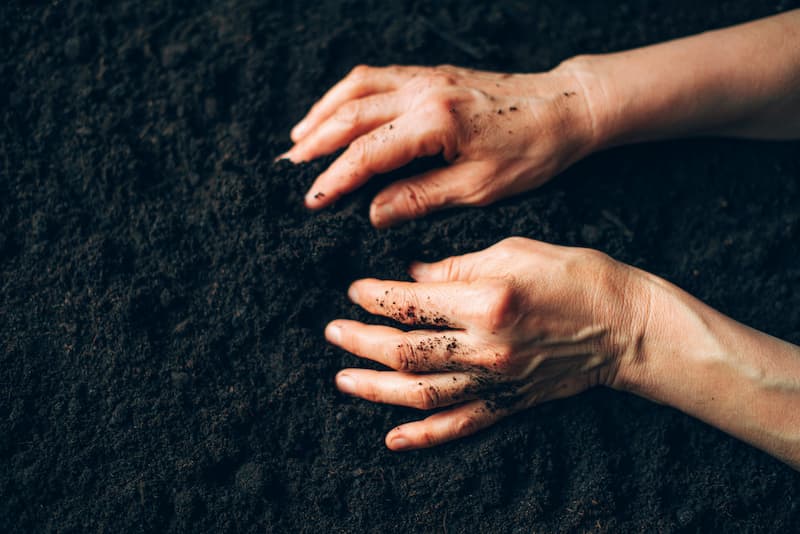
(532, 322)
(507, 133)
(742, 81)
(707, 365)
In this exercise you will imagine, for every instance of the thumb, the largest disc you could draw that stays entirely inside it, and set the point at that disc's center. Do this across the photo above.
(420, 195)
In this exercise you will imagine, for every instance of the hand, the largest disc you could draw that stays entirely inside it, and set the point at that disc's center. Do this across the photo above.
(501, 134)
(524, 322)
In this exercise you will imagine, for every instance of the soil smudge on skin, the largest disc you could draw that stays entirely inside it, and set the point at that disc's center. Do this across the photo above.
(163, 289)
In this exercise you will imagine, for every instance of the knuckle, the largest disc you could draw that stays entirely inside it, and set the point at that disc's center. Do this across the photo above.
(465, 426)
(425, 396)
(349, 113)
(431, 81)
(501, 309)
(407, 298)
(441, 78)
(359, 151)
(451, 268)
(444, 104)
(510, 247)
(580, 260)
(416, 84)
(370, 393)
(405, 356)
(414, 199)
(359, 72)
(514, 242)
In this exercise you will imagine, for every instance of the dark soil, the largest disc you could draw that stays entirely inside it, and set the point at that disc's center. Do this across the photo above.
(163, 291)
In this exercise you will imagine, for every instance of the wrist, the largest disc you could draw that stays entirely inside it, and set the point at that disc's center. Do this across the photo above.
(699, 361)
(675, 333)
(586, 75)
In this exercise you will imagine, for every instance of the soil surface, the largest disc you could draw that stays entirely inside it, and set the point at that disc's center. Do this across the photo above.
(163, 292)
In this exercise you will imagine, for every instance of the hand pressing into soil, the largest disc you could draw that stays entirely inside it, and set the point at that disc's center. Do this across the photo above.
(507, 133)
(524, 322)
(501, 133)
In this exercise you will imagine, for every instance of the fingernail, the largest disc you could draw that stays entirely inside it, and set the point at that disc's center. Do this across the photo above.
(300, 129)
(400, 443)
(352, 292)
(381, 213)
(346, 384)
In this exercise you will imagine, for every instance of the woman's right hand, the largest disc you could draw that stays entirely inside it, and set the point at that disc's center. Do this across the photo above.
(500, 133)
(520, 323)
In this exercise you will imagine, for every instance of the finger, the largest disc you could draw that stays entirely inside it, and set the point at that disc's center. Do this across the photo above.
(424, 392)
(491, 262)
(445, 426)
(415, 351)
(384, 149)
(360, 82)
(452, 304)
(417, 196)
(455, 268)
(351, 120)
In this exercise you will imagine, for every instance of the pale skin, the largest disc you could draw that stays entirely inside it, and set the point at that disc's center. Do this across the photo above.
(524, 322)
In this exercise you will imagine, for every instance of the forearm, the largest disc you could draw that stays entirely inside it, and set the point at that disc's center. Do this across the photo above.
(737, 379)
(742, 81)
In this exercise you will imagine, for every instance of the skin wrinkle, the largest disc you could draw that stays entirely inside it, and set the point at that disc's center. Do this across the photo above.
(573, 68)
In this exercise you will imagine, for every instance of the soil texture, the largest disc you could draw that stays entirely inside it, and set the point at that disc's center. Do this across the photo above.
(163, 291)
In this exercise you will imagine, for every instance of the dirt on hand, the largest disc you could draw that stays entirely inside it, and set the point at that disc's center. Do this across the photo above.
(163, 291)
